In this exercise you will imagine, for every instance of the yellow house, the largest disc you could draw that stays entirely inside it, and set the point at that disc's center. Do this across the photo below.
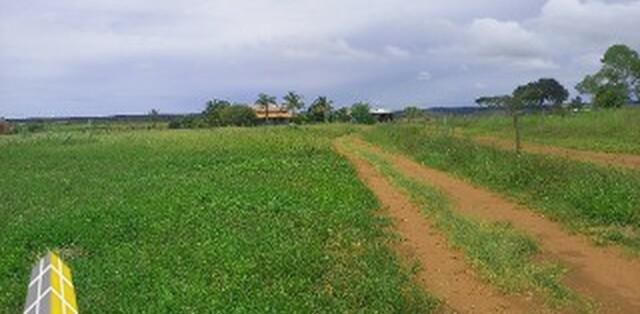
(275, 112)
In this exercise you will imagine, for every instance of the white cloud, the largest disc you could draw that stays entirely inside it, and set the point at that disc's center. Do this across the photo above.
(335, 49)
(69, 49)
(424, 76)
(493, 38)
(396, 51)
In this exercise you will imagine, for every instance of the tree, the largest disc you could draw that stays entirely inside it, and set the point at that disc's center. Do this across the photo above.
(619, 75)
(542, 93)
(341, 115)
(320, 109)
(576, 103)
(293, 102)
(361, 113)
(154, 115)
(610, 97)
(212, 111)
(238, 115)
(513, 105)
(265, 100)
(412, 113)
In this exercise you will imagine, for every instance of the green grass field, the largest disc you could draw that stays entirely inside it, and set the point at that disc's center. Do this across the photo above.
(616, 131)
(265, 220)
(599, 201)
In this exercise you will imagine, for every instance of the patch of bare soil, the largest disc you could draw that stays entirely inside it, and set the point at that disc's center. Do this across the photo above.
(444, 271)
(602, 273)
(607, 159)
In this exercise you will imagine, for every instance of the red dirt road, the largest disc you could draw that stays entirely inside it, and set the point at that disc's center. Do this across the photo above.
(607, 159)
(602, 273)
(444, 271)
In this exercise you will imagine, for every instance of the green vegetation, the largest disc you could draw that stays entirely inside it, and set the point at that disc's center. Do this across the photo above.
(192, 221)
(616, 131)
(5, 127)
(320, 110)
(617, 82)
(413, 114)
(503, 255)
(293, 101)
(598, 201)
(538, 95)
(361, 113)
(223, 113)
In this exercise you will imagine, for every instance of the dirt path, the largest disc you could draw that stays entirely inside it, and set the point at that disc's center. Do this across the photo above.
(601, 273)
(608, 159)
(444, 271)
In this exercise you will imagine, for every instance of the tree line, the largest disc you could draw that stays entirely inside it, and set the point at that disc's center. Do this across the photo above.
(614, 85)
(219, 112)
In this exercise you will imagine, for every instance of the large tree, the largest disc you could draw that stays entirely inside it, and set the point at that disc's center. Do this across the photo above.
(293, 101)
(542, 93)
(618, 77)
(265, 100)
(320, 109)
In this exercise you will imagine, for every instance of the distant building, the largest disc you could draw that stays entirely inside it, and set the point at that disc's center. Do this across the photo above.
(276, 114)
(382, 115)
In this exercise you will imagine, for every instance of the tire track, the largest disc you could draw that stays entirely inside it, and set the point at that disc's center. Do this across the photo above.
(602, 273)
(444, 271)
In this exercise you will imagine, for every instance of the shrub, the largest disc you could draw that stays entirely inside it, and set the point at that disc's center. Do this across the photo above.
(35, 127)
(361, 113)
(237, 115)
(175, 124)
(5, 127)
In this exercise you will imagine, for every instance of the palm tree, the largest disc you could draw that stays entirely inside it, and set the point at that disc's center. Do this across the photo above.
(321, 109)
(266, 100)
(293, 101)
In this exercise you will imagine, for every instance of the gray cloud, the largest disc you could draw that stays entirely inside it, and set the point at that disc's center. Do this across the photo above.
(101, 57)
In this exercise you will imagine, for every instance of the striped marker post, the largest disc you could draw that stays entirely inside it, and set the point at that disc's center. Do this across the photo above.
(50, 288)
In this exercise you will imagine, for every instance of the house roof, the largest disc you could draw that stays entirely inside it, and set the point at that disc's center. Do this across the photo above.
(275, 111)
(380, 111)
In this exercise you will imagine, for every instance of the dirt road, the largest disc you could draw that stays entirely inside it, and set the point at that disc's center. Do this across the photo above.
(444, 271)
(602, 273)
(608, 159)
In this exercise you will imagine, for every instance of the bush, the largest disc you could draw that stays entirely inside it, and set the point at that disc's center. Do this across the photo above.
(187, 122)
(237, 115)
(175, 124)
(361, 113)
(341, 115)
(222, 113)
(6, 127)
(35, 127)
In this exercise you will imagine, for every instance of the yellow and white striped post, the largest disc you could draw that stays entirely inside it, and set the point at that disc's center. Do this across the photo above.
(50, 288)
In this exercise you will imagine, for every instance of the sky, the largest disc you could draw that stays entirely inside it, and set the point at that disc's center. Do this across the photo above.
(103, 57)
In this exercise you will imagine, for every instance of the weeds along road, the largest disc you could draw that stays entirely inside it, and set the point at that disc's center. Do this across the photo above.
(444, 271)
(601, 273)
(607, 159)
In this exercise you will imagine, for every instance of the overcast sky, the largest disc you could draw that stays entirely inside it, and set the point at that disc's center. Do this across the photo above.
(99, 57)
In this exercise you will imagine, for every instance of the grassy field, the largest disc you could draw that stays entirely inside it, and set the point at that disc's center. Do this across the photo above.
(616, 131)
(601, 202)
(503, 255)
(265, 220)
